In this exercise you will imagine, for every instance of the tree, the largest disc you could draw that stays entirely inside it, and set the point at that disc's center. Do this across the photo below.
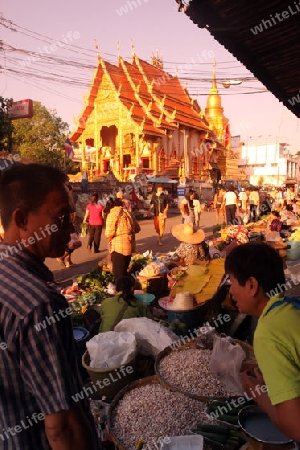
(5, 124)
(41, 138)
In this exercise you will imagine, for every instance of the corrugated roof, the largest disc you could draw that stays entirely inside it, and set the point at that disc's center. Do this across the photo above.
(263, 35)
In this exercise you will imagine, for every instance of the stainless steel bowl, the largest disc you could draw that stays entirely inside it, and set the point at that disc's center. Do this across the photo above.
(256, 424)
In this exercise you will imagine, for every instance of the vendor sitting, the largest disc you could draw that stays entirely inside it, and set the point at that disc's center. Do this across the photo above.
(288, 216)
(191, 247)
(122, 306)
(276, 223)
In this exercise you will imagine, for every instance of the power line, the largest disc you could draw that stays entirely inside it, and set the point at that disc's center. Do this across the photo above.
(43, 69)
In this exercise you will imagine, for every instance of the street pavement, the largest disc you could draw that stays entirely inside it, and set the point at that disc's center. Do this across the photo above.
(146, 239)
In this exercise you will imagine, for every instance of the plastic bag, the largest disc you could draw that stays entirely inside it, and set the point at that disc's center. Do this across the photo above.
(75, 242)
(111, 349)
(226, 362)
(84, 229)
(151, 336)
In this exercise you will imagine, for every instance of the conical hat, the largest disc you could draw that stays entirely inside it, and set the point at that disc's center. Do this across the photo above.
(185, 233)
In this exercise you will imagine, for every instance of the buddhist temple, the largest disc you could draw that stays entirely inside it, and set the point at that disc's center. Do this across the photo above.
(139, 119)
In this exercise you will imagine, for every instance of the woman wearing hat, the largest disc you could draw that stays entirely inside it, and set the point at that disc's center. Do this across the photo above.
(190, 249)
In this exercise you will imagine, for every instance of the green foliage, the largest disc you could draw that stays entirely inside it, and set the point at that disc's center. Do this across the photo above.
(5, 125)
(221, 246)
(41, 138)
(216, 229)
(72, 167)
(87, 299)
(97, 279)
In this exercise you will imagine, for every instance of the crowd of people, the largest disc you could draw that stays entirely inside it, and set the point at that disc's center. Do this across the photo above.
(39, 374)
(231, 207)
(252, 203)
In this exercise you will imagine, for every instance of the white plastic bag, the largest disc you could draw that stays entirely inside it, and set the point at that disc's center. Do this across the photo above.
(226, 362)
(109, 350)
(151, 336)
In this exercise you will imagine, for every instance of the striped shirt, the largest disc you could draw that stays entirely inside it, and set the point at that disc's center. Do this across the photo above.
(120, 231)
(38, 368)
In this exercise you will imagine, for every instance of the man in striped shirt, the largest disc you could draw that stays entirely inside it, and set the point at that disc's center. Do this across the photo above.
(38, 370)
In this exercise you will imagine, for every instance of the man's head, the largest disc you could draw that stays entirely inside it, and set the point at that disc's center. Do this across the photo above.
(159, 189)
(256, 273)
(191, 194)
(118, 202)
(35, 206)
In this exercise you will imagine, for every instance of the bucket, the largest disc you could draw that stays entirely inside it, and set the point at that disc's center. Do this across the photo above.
(81, 336)
(293, 250)
(108, 382)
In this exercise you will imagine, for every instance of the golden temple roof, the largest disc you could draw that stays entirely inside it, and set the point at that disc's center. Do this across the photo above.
(154, 98)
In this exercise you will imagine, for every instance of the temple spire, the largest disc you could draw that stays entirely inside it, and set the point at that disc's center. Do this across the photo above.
(96, 47)
(214, 113)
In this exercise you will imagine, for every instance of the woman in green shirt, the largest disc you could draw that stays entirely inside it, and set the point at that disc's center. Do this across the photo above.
(122, 306)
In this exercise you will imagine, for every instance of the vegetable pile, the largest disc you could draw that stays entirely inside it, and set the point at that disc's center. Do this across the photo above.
(97, 279)
(92, 286)
(229, 439)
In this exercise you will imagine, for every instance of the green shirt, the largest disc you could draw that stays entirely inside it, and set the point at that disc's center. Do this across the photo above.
(277, 350)
(111, 307)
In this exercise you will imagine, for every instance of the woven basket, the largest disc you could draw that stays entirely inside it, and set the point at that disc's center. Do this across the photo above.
(112, 380)
(112, 408)
(250, 359)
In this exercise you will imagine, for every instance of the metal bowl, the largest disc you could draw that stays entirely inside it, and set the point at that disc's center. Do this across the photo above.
(256, 424)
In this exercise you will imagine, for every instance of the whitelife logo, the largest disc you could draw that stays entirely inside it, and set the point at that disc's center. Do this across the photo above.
(24, 425)
(277, 18)
(37, 236)
(132, 5)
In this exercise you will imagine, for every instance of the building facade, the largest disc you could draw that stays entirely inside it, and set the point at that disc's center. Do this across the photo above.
(266, 161)
(138, 119)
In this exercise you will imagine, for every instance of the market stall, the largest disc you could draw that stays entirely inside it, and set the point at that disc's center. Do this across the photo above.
(184, 391)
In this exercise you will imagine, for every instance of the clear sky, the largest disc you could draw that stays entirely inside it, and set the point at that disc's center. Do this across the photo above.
(48, 55)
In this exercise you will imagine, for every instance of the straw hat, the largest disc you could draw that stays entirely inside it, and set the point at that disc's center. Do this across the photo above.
(185, 233)
(183, 301)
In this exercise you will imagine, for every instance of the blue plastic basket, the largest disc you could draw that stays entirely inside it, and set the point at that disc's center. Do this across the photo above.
(145, 298)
